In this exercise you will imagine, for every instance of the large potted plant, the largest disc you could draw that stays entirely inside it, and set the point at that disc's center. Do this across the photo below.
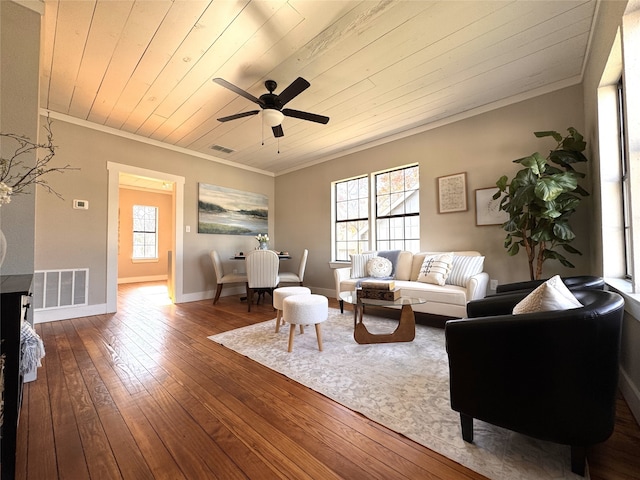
(540, 199)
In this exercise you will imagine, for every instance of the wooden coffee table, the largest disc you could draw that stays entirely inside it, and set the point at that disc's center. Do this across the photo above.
(404, 332)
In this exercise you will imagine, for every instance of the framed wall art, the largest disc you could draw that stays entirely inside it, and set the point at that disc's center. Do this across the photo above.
(452, 193)
(487, 209)
(227, 211)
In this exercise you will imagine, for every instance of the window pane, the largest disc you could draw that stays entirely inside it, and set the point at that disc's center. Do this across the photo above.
(341, 211)
(382, 184)
(397, 209)
(397, 181)
(145, 234)
(341, 192)
(352, 217)
(363, 208)
(383, 205)
(363, 185)
(411, 179)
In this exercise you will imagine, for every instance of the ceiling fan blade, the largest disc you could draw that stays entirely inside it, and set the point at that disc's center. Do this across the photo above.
(238, 115)
(298, 86)
(277, 131)
(238, 90)
(312, 117)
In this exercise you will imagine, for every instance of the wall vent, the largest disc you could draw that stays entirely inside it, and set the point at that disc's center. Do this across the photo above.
(60, 288)
(220, 148)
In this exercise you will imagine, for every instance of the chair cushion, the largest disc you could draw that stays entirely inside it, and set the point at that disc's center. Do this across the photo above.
(551, 295)
(435, 268)
(379, 267)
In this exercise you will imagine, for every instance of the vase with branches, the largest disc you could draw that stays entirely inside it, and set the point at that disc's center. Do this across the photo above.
(541, 198)
(18, 171)
(16, 174)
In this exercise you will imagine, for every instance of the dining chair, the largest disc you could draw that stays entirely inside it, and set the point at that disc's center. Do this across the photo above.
(291, 277)
(262, 274)
(221, 277)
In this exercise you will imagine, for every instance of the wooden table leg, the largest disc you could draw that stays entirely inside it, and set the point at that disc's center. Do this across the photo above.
(404, 332)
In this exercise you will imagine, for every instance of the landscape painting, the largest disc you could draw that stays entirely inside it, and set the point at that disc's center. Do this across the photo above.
(231, 212)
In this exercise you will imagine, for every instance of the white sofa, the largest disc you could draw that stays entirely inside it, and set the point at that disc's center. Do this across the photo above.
(448, 300)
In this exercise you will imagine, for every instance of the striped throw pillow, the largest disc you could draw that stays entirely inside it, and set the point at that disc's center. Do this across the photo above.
(463, 268)
(359, 264)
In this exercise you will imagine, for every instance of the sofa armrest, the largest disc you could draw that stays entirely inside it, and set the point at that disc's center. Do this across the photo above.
(477, 286)
(340, 274)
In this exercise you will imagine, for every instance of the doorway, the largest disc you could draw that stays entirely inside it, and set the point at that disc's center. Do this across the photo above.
(174, 284)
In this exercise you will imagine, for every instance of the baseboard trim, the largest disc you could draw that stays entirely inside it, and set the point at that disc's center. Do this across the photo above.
(65, 313)
(630, 393)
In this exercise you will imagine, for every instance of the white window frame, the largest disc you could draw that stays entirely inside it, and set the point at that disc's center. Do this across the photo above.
(371, 218)
(406, 221)
(154, 232)
(352, 217)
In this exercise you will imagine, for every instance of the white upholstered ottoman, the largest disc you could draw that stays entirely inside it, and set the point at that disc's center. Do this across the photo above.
(279, 294)
(305, 310)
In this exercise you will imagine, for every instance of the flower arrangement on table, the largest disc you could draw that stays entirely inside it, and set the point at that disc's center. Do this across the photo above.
(262, 238)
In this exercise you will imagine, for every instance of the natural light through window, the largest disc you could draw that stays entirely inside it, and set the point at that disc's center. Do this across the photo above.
(145, 232)
(352, 217)
(398, 210)
(388, 221)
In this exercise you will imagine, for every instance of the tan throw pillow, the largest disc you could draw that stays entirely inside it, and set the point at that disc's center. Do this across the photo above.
(435, 268)
(379, 267)
(551, 295)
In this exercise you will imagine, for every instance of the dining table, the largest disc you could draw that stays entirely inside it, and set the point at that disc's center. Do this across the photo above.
(281, 256)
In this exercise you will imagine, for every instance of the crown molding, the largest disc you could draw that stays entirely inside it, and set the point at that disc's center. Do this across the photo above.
(149, 141)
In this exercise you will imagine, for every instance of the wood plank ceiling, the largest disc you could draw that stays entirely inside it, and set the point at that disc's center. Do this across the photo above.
(376, 68)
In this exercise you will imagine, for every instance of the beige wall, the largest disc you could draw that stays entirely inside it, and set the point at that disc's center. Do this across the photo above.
(128, 270)
(483, 146)
(20, 59)
(68, 238)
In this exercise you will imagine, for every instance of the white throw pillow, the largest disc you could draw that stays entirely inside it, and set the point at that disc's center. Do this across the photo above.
(463, 268)
(379, 267)
(359, 264)
(551, 295)
(435, 268)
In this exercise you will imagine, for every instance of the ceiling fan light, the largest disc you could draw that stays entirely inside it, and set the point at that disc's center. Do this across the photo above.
(272, 117)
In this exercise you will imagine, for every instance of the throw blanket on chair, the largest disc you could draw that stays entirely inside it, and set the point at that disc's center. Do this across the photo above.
(31, 349)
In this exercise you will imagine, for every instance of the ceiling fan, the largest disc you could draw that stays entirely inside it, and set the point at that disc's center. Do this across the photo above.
(272, 104)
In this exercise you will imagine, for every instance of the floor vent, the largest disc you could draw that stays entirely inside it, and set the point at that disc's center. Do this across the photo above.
(60, 288)
(220, 148)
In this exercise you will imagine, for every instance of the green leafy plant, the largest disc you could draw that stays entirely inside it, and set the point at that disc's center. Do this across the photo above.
(541, 198)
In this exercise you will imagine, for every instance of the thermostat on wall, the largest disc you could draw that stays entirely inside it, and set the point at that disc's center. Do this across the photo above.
(81, 204)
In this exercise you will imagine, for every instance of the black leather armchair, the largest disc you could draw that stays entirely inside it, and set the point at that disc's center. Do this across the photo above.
(549, 375)
(579, 282)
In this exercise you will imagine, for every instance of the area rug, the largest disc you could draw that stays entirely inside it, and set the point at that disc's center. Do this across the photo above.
(403, 386)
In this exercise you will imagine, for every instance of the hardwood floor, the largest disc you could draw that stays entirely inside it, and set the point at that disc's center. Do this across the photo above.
(143, 394)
